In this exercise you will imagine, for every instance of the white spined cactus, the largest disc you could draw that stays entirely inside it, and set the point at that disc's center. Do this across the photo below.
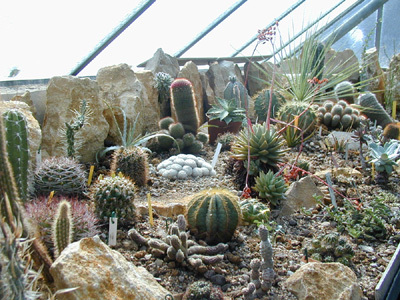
(184, 166)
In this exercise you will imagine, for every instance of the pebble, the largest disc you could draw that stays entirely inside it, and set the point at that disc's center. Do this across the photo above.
(292, 222)
(218, 279)
(326, 224)
(365, 248)
(159, 262)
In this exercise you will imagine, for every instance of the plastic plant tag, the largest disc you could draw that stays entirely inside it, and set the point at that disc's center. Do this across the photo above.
(112, 230)
(215, 158)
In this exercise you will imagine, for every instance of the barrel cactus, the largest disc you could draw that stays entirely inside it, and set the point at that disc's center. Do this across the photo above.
(114, 195)
(63, 175)
(373, 109)
(184, 104)
(340, 115)
(265, 145)
(270, 187)
(213, 215)
(261, 104)
(345, 91)
(132, 162)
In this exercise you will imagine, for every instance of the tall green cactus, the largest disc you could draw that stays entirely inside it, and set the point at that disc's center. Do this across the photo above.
(370, 106)
(236, 90)
(62, 227)
(184, 103)
(16, 135)
(213, 215)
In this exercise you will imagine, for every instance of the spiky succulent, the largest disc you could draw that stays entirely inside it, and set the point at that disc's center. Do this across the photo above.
(265, 145)
(202, 290)
(254, 211)
(261, 104)
(132, 162)
(270, 187)
(114, 194)
(63, 175)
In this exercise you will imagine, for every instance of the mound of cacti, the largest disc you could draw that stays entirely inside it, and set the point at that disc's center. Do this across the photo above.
(183, 166)
(213, 215)
(63, 175)
(339, 115)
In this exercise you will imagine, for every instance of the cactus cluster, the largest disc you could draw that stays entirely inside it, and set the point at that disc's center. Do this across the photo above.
(345, 91)
(331, 248)
(184, 104)
(62, 227)
(265, 145)
(339, 115)
(213, 215)
(131, 162)
(262, 273)
(261, 104)
(271, 187)
(177, 246)
(184, 166)
(371, 107)
(202, 290)
(114, 194)
(185, 142)
(63, 175)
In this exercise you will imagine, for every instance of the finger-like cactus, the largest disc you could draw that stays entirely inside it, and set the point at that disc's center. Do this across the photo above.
(62, 227)
(340, 115)
(213, 215)
(373, 109)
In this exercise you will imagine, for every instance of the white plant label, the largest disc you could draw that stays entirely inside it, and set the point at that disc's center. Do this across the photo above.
(112, 232)
(215, 158)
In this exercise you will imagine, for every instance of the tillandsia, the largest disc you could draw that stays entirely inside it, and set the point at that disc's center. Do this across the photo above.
(177, 246)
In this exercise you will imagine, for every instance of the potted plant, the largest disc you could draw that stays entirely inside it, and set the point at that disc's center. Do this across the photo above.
(224, 116)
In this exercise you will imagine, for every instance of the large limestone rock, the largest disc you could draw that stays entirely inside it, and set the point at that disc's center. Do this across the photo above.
(102, 273)
(122, 88)
(191, 72)
(337, 62)
(300, 194)
(34, 131)
(374, 74)
(208, 93)
(64, 96)
(393, 78)
(219, 73)
(328, 281)
(257, 77)
(162, 62)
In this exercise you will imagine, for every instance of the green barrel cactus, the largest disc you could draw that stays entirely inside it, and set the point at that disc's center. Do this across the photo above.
(265, 145)
(236, 90)
(213, 215)
(16, 136)
(373, 109)
(176, 130)
(132, 162)
(114, 194)
(62, 227)
(63, 175)
(345, 91)
(340, 115)
(261, 104)
(270, 187)
(184, 103)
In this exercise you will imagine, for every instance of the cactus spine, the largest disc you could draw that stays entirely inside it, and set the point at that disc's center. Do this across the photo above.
(184, 104)
(16, 135)
(62, 227)
(213, 215)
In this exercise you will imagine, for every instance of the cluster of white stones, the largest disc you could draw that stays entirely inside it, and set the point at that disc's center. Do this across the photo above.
(184, 166)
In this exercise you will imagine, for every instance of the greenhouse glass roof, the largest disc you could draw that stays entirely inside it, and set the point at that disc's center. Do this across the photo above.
(46, 38)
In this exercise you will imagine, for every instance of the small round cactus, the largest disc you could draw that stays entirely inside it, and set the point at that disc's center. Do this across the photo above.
(165, 122)
(345, 91)
(63, 175)
(114, 194)
(176, 130)
(213, 215)
(184, 166)
(202, 137)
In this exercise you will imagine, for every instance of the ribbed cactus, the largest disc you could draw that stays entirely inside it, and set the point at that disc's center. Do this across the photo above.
(62, 227)
(16, 135)
(63, 175)
(114, 194)
(292, 109)
(340, 115)
(213, 215)
(373, 109)
(261, 104)
(184, 104)
(345, 91)
(236, 90)
(132, 162)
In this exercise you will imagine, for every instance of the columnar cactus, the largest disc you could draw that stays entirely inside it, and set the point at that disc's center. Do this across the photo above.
(373, 109)
(340, 115)
(62, 227)
(236, 90)
(213, 215)
(132, 162)
(16, 135)
(345, 91)
(261, 104)
(184, 103)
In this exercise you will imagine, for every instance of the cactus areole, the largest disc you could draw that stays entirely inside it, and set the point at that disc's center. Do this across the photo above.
(213, 215)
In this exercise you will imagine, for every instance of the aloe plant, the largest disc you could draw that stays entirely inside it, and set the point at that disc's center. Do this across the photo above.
(226, 111)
